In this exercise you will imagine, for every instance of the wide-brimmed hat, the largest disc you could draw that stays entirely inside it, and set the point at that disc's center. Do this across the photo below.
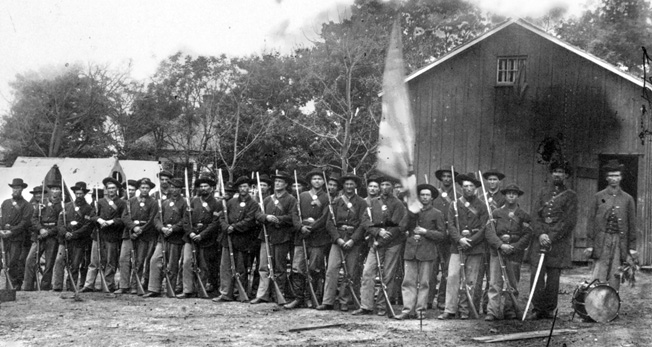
(314, 172)
(18, 182)
(350, 176)
(374, 178)
(111, 180)
(468, 177)
(205, 179)
(493, 172)
(433, 190)
(512, 187)
(439, 173)
(230, 187)
(264, 178)
(613, 165)
(146, 181)
(80, 186)
(282, 175)
(166, 174)
(564, 165)
(38, 190)
(241, 180)
(177, 183)
(54, 185)
(335, 177)
(133, 183)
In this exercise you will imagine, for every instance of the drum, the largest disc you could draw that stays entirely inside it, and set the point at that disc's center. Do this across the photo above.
(596, 301)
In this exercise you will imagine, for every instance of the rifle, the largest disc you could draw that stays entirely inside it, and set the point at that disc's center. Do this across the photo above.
(242, 293)
(508, 288)
(463, 281)
(280, 299)
(65, 241)
(169, 290)
(38, 240)
(382, 282)
(100, 267)
(311, 288)
(195, 264)
(347, 279)
(134, 268)
(4, 265)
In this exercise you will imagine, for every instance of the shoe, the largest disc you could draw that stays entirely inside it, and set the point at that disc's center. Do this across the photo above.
(489, 318)
(86, 290)
(344, 308)
(121, 291)
(404, 315)
(152, 295)
(464, 316)
(309, 304)
(510, 316)
(133, 292)
(446, 316)
(210, 288)
(178, 290)
(186, 295)
(257, 301)
(324, 307)
(361, 311)
(381, 312)
(222, 298)
(294, 304)
(537, 315)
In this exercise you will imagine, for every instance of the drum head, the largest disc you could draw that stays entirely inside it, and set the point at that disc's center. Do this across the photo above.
(602, 303)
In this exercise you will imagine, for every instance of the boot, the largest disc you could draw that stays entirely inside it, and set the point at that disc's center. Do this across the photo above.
(296, 303)
(298, 285)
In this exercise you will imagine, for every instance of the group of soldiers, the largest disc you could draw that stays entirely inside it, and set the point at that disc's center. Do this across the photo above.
(300, 242)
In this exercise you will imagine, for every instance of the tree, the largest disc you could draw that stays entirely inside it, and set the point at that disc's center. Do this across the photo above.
(61, 113)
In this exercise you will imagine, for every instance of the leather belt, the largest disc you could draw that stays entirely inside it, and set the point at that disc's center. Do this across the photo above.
(345, 228)
(140, 222)
(48, 224)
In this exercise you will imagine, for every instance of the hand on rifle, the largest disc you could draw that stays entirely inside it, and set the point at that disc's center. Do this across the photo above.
(166, 231)
(230, 229)
(103, 223)
(347, 245)
(384, 233)
(69, 235)
(305, 230)
(5, 233)
(43, 233)
(507, 249)
(195, 237)
(544, 240)
(272, 219)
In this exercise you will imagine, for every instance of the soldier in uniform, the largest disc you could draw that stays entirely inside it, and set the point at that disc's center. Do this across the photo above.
(333, 186)
(510, 236)
(75, 228)
(346, 228)
(553, 223)
(281, 219)
(109, 224)
(239, 222)
(165, 178)
(201, 229)
(468, 241)
(16, 219)
(386, 238)
(611, 228)
(139, 236)
(170, 238)
(495, 199)
(314, 215)
(43, 236)
(437, 296)
(425, 230)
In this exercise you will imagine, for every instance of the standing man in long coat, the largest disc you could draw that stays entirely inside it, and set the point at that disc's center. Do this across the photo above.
(16, 219)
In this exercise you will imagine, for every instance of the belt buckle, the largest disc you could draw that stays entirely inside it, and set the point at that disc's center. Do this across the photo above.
(548, 220)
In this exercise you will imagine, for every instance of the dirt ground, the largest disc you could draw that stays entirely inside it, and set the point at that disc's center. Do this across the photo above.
(45, 319)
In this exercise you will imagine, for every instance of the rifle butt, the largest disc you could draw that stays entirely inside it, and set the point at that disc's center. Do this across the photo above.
(202, 289)
(169, 290)
(105, 287)
(469, 297)
(280, 299)
(354, 296)
(242, 293)
(313, 295)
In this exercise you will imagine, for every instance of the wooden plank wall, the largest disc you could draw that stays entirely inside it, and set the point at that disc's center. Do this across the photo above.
(464, 119)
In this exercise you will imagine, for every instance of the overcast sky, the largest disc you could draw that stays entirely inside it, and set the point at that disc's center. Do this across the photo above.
(36, 34)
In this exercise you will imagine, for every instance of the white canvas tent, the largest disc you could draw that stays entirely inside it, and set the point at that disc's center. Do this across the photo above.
(33, 177)
(137, 169)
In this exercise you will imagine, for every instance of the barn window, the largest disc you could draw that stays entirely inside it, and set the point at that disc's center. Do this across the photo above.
(508, 68)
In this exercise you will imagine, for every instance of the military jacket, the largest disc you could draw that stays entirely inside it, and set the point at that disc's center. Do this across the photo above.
(351, 219)
(144, 212)
(172, 215)
(425, 248)
(205, 220)
(16, 216)
(496, 199)
(78, 221)
(314, 206)
(110, 209)
(241, 214)
(47, 218)
(473, 216)
(285, 209)
(512, 228)
(621, 205)
(387, 212)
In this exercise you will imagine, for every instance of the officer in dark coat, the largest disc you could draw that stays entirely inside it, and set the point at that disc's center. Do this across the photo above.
(555, 216)
(16, 219)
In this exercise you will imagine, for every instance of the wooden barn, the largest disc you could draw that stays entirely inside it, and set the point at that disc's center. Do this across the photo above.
(517, 97)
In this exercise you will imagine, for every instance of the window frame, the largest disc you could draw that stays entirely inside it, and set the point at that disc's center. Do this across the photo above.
(517, 59)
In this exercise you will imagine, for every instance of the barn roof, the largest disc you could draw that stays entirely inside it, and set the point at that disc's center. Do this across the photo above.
(538, 31)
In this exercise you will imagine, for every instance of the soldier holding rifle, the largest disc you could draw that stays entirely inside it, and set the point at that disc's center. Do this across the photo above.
(16, 215)
(238, 221)
(554, 220)
(510, 236)
(346, 227)
(467, 234)
(425, 230)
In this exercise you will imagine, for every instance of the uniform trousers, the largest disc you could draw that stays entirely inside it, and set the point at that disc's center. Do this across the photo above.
(143, 251)
(109, 254)
(389, 259)
(156, 275)
(299, 270)
(47, 247)
(437, 295)
(227, 281)
(22, 259)
(279, 254)
(544, 300)
(333, 272)
(500, 304)
(12, 252)
(191, 263)
(74, 258)
(472, 266)
(416, 285)
(606, 268)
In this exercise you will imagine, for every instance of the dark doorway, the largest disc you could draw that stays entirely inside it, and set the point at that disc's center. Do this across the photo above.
(630, 177)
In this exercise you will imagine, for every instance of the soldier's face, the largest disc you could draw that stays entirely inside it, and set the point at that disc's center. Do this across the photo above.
(511, 197)
(243, 189)
(79, 194)
(38, 197)
(175, 191)
(280, 185)
(397, 189)
(144, 190)
(492, 182)
(425, 196)
(333, 187)
(350, 186)
(386, 188)
(614, 178)
(468, 188)
(111, 190)
(264, 187)
(16, 191)
(132, 191)
(205, 189)
(55, 192)
(373, 189)
(165, 182)
(559, 175)
(446, 179)
(317, 181)
(296, 187)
